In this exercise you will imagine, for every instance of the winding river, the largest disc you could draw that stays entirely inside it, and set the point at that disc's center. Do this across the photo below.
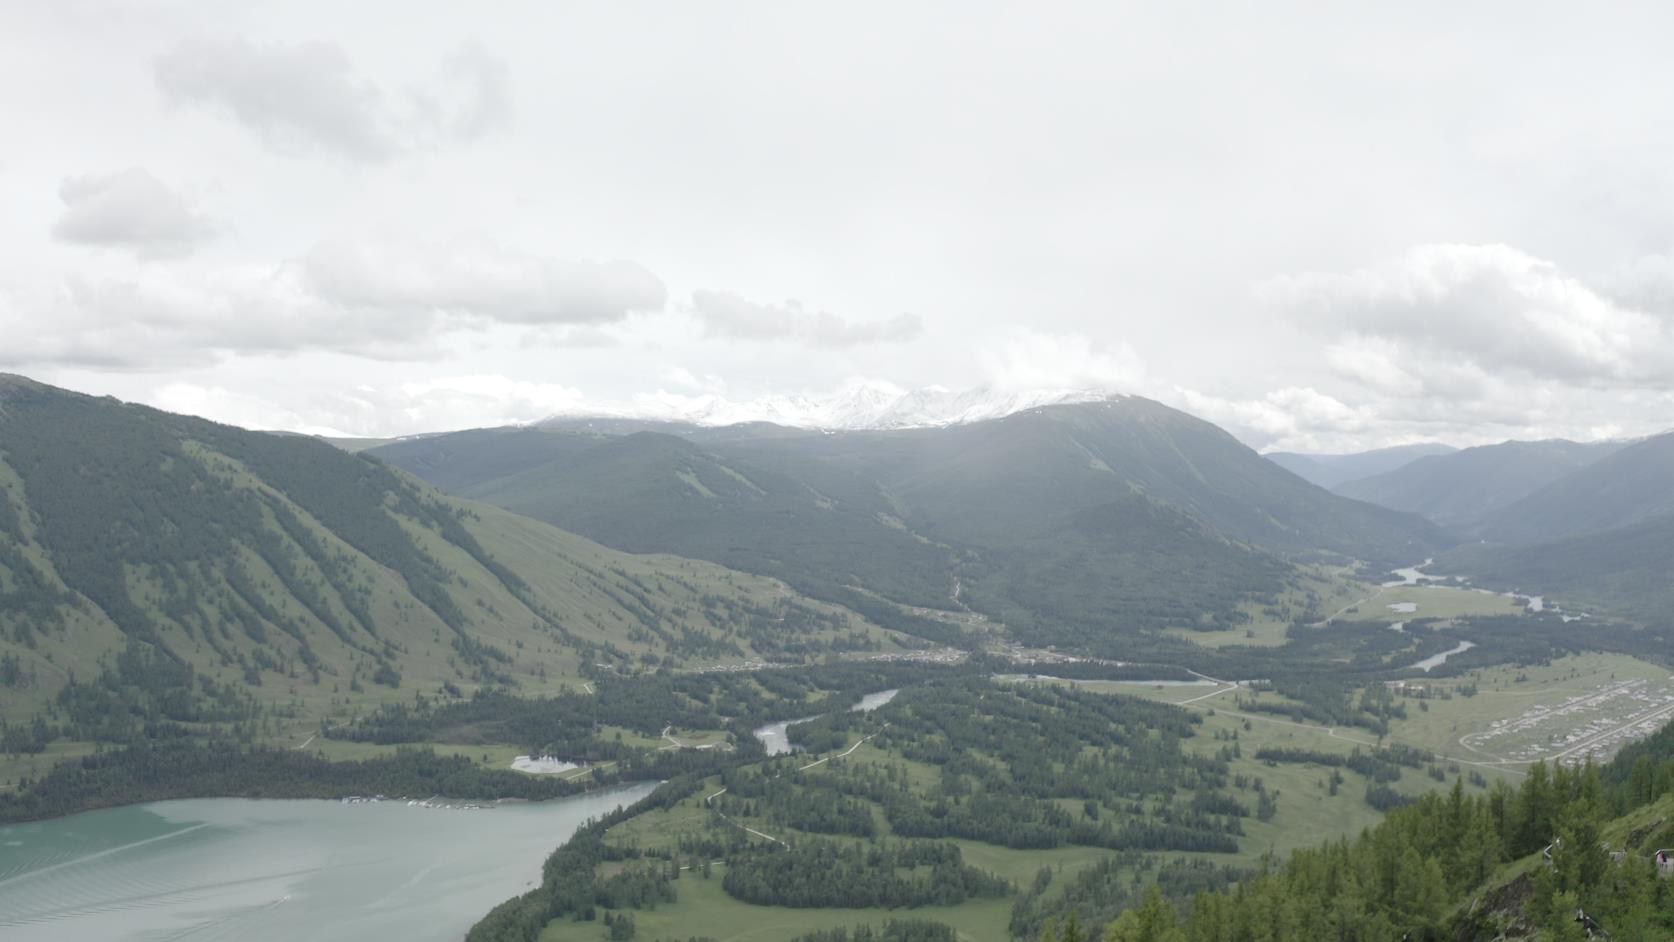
(232, 868)
(773, 737)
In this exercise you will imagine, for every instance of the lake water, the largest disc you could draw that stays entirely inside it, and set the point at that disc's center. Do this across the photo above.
(773, 737)
(1436, 660)
(230, 868)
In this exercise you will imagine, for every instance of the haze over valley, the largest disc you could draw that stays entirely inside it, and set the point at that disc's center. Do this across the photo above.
(765, 472)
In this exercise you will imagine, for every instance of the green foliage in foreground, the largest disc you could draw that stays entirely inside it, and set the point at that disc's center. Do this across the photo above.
(1408, 877)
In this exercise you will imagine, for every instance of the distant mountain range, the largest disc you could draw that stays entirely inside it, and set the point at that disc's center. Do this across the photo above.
(1462, 489)
(857, 405)
(1067, 520)
(1590, 522)
(1624, 486)
(1331, 470)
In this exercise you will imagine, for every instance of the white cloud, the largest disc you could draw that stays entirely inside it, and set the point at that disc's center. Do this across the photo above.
(1465, 344)
(439, 404)
(727, 314)
(481, 279)
(374, 299)
(471, 98)
(129, 209)
(309, 96)
(153, 319)
(1028, 359)
(1414, 321)
(1293, 418)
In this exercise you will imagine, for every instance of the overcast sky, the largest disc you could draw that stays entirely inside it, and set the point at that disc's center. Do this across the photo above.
(1323, 226)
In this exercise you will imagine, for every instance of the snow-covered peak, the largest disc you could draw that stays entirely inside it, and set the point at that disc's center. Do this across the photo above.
(861, 404)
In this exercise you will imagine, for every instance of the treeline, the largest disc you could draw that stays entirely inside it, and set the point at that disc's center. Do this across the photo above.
(566, 725)
(1004, 781)
(187, 769)
(571, 886)
(1379, 765)
(1097, 894)
(1407, 877)
(894, 930)
(822, 873)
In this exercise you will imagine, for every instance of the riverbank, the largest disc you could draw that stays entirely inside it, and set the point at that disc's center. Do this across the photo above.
(184, 769)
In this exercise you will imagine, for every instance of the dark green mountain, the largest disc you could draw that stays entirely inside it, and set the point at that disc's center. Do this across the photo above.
(1065, 521)
(1328, 471)
(137, 546)
(1627, 570)
(1630, 485)
(1462, 488)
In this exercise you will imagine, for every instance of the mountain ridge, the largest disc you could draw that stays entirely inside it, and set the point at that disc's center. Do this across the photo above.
(283, 568)
(861, 405)
(1330, 470)
(913, 514)
(1462, 488)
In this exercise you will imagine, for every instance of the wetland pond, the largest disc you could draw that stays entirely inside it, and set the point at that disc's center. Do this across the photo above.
(235, 868)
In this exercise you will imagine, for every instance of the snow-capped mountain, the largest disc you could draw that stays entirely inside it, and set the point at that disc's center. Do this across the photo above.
(856, 405)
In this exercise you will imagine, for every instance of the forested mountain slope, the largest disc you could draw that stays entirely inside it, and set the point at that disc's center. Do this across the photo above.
(149, 559)
(1627, 570)
(1460, 489)
(1065, 521)
(1632, 484)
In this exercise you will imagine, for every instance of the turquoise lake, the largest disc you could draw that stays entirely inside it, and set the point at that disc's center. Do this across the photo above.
(227, 868)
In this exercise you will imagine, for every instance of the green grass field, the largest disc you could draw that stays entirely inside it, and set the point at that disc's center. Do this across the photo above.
(1319, 589)
(1455, 724)
(704, 910)
(1433, 601)
(1308, 813)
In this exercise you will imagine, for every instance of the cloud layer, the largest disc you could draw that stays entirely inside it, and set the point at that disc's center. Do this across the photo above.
(376, 299)
(310, 97)
(129, 209)
(1464, 343)
(1442, 312)
(727, 314)
(481, 279)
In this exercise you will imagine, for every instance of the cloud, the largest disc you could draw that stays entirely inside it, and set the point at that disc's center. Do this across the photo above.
(727, 314)
(1434, 316)
(1031, 360)
(481, 279)
(129, 209)
(156, 319)
(1466, 344)
(1299, 418)
(309, 96)
(471, 98)
(385, 300)
(431, 405)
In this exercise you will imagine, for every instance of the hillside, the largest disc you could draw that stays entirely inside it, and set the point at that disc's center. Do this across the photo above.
(164, 562)
(1623, 488)
(1628, 570)
(1328, 471)
(1461, 488)
(650, 492)
(1067, 522)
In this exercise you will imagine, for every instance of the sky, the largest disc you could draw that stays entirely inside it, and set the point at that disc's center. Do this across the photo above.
(1325, 227)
